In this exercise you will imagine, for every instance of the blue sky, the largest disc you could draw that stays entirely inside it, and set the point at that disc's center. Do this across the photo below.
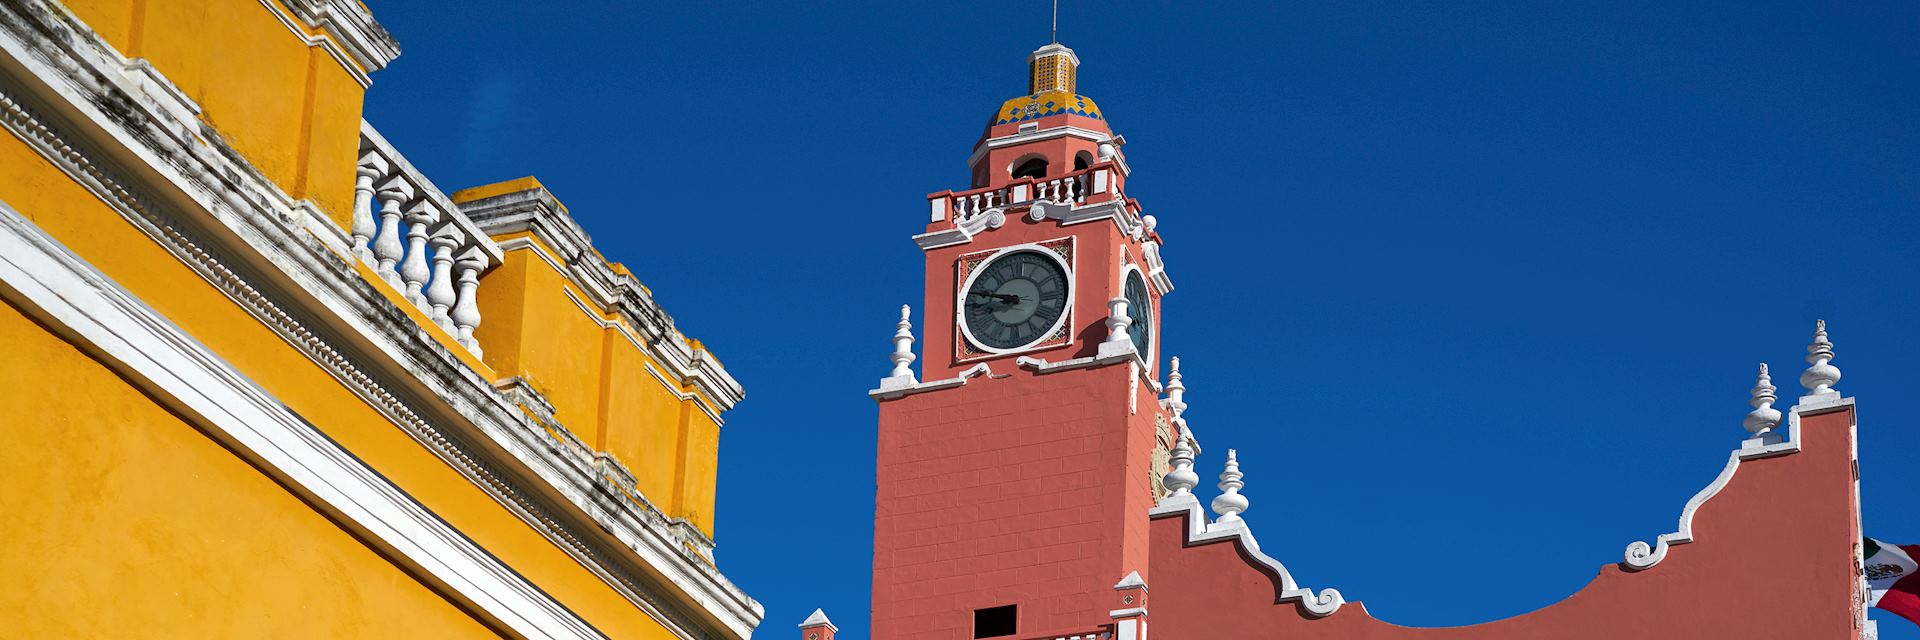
(1457, 280)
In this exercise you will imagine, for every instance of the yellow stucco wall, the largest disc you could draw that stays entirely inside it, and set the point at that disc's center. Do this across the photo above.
(125, 521)
(290, 108)
(99, 235)
(543, 328)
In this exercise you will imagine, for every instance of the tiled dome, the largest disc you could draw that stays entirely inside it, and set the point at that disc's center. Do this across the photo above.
(1041, 105)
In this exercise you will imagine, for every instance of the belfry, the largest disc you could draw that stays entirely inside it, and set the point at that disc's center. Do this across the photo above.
(1036, 477)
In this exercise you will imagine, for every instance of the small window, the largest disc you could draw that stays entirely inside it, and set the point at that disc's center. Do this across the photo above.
(1035, 168)
(1082, 160)
(994, 622)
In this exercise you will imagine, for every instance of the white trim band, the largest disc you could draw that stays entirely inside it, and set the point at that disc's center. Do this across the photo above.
(63, 291)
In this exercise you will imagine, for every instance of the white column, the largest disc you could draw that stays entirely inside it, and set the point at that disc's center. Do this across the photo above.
(1117, 320)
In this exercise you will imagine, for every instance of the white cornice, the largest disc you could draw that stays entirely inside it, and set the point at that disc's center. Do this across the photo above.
(199, 200)
(891, 388)
(83, 305)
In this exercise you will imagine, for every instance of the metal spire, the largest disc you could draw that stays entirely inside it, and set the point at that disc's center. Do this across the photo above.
(1056, 21)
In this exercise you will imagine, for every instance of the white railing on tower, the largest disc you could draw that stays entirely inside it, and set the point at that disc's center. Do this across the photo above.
(416, 240)
(1093, 184)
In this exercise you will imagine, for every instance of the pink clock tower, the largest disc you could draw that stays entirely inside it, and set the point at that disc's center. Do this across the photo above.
(1013, 471)
(1034, 477)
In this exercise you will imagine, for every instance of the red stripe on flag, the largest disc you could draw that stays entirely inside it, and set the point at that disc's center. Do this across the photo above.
(1903, 599)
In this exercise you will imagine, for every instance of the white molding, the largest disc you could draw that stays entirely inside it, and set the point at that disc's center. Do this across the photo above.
(1640, 555)
(1066, 314)
(82, 304)
(1200, 532)
(233, 228)
(891, 388)
(942, 238)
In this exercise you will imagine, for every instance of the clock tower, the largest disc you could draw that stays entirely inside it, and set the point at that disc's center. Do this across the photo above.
(1016, 468)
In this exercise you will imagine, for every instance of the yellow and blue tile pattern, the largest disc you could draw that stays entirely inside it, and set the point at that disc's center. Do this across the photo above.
(1041, 105)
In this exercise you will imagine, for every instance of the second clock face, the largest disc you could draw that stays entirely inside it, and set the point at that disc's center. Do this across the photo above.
(1015, 300)
(1140, 311)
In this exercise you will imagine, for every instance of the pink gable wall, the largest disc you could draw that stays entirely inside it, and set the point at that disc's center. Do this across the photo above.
(1773, 556)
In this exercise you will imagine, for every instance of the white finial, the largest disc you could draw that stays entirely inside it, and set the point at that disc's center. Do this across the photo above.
(1181, 479)
(903, 344)
(1230, 503)
(1176, 391)
(1117, 320)
(1764, 417)
(1149, 222)
(1820, 377)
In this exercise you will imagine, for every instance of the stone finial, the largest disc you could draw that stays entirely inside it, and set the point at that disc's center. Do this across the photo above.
(903, 344)
(1764, 417)
(1149, 222)
(818, 627)
(1230, 503)
(1821, 376)
(1117, 320)
(1176, 391)
(1180, 480)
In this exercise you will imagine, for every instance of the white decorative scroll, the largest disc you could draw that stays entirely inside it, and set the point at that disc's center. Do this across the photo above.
(1317, 605)
(1641, 555)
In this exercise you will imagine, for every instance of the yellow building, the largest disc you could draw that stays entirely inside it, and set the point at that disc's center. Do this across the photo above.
(262, 378)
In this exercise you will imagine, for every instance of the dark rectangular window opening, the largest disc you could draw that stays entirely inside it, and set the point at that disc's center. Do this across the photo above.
(993, 622)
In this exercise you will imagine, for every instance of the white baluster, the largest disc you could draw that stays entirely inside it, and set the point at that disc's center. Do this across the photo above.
(386, 245)
(440, 294)
(414, 270)
(371, 167)
(466, 312)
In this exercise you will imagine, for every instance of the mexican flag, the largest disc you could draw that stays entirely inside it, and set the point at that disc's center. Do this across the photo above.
(1894, 577)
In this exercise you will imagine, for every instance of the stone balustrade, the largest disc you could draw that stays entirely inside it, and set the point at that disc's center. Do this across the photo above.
(415, 239)
(1080, 187)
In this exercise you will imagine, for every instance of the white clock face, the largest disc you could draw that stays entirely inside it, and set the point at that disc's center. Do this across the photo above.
(1015, 300)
